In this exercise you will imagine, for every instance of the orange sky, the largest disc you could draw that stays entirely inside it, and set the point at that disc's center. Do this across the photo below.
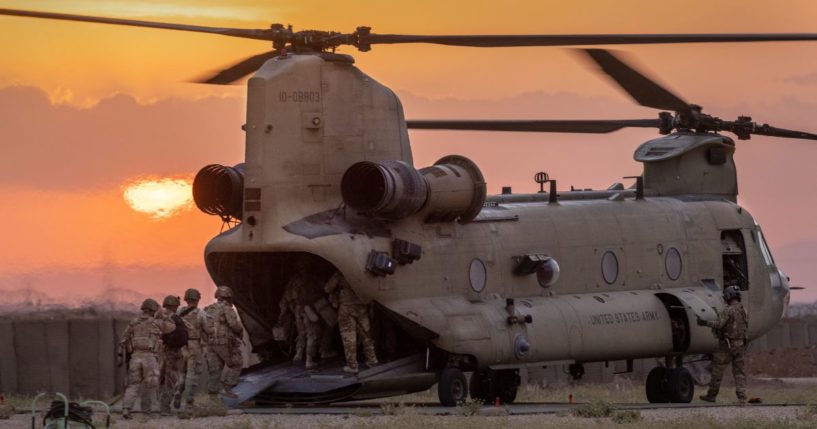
(85, 107)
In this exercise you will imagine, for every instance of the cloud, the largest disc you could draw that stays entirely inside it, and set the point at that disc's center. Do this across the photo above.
(61, 147)
(804, 79)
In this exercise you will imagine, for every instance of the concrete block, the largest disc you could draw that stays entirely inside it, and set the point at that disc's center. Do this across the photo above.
(8, 359)
(773, 340)
(593, 373)
(812, 333)
(84, 358)
(798, 333)
(31, 353)
(121, 371)
(759, 344)
(785, 335)
(106, 358)
(57, 338)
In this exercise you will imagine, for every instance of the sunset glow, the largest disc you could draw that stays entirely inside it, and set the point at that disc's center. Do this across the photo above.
(104, 130)
(159, 198)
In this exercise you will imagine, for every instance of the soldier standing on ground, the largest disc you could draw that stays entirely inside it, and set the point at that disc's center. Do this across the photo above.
(142, 340)
(353, 319)
(194, 360)
(173, 353)
(224, 333)
(730, 328)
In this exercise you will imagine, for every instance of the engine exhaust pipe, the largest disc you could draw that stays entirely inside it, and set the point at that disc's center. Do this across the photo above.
(219, 190)
(451, 189)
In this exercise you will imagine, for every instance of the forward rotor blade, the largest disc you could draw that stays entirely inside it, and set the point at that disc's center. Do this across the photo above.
(548, 126)
(498, 41)
(767, 130)
(235, 32)
(641, 88)
(239, 69)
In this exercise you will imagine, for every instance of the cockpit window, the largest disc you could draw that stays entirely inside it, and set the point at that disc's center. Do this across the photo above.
(764, 248)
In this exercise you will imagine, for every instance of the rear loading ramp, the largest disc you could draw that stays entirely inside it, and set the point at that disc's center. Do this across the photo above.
(292, 384)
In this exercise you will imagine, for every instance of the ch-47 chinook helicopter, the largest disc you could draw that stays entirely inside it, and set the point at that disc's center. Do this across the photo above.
(460, 281)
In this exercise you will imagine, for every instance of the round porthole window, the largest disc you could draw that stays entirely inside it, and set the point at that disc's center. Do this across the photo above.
(609, 267)
(477, 275)
(673, 263)
(548, 273)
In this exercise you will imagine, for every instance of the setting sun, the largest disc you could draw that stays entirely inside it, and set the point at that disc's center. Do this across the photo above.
(159, 197)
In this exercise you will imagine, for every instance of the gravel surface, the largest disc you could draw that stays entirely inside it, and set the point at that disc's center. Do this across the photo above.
(697, 418)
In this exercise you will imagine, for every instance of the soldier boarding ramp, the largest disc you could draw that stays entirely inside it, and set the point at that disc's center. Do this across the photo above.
(290, 383)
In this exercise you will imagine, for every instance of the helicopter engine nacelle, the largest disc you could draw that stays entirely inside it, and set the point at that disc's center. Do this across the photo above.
(453, 188)
(219, 190)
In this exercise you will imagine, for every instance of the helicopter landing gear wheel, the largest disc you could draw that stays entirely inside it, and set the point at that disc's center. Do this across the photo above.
(656, 385)
(670, 385)
(488, 385)
(452, 387)
(681, 385)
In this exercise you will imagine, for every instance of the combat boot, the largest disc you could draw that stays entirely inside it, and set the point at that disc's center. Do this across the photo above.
(229, 393)
(126, 414)
(310, 363)
(177, 400)
(372, 363)
(707, 398)
(350, 369)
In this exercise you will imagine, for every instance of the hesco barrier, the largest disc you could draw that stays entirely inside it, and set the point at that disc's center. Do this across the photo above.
(72, 356)
(77, 356)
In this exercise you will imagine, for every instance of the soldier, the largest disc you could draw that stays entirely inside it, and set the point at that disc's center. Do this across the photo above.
(289, 315)
(142, 340)
(304, 290)
(224, 332)
(353, 319)
(173, 353)
(730, 328)
(194, 319)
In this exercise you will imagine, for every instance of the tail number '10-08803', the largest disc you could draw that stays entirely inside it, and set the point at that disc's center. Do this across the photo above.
(299, 96)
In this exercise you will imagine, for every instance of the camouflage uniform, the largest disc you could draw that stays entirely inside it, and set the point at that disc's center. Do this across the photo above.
(194, 360)
(171, 360)
(289, 316)
(142, 339)
(353, 319)
(306, 291)
(730, 328)
(224, 360)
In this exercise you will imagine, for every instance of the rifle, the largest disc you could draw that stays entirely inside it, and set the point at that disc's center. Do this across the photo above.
(123, 357)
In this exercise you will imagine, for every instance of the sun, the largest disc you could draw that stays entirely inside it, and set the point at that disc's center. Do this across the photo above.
(160, 198)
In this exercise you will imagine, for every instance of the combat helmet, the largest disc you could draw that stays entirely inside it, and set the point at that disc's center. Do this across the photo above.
(224, 292)
(730, 293)
(192, 295)
(150, 304)
(171, 301)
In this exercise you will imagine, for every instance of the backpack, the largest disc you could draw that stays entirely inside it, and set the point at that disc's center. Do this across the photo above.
(178, 337)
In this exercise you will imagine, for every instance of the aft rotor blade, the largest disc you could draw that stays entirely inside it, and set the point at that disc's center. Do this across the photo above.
(225, 31)
(642, 89)
(548, 126)
(239, 69)
(499, 41)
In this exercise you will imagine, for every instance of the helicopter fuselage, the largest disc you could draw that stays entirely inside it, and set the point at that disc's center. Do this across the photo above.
(633, 273)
